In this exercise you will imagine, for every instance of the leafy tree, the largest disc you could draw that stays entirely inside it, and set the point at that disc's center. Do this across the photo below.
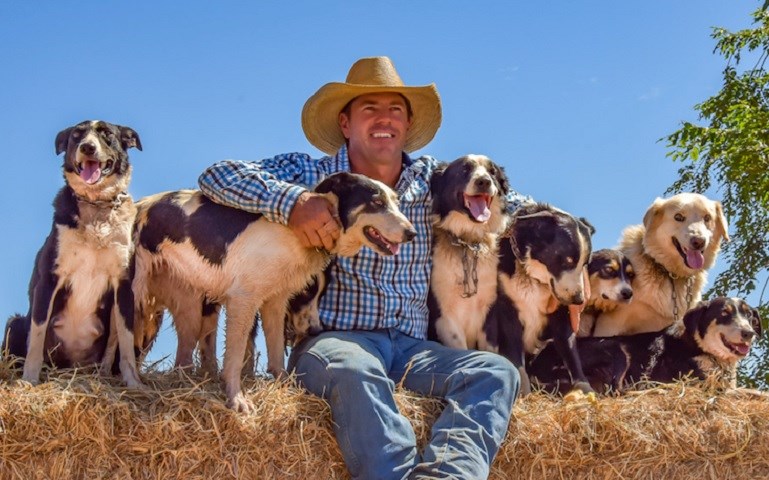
(729, 152)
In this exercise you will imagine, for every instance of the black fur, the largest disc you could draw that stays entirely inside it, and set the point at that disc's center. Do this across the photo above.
(617, 363)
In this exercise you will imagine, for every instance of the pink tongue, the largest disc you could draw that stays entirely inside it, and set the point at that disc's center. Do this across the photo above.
(695, 259)
(478, 208)
(743, 348)
(91, 172)
(395, 248)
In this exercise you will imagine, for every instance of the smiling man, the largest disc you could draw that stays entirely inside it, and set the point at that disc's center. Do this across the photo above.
(374, 310)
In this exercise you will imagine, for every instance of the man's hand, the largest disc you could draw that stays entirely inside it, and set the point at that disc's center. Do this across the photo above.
(315, 221)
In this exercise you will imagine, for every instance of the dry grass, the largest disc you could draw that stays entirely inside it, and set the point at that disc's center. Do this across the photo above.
(79, 425)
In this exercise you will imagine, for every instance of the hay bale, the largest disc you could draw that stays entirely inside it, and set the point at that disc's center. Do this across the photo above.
(80, 425)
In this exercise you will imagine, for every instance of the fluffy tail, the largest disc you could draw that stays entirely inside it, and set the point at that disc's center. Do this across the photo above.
(15, 336)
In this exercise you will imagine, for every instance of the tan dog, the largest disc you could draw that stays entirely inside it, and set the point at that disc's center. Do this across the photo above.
(671, 253)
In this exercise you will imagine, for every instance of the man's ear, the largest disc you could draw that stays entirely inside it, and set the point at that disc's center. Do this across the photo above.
(344, 125)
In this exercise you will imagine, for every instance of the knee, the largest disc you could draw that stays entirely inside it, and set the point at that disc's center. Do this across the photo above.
(497, 374)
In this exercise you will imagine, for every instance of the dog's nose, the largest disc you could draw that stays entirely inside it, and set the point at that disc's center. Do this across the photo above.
(748, 335)
(578, 299)
(409, 234)
(626, 293)
(697, 243)
(482, 183)
(87, 148)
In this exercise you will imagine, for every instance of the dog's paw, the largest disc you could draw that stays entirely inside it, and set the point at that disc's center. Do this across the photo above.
(240, 404)
(31, 380)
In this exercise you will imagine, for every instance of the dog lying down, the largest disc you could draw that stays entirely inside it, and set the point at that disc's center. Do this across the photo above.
(712, 338)
(249, 264)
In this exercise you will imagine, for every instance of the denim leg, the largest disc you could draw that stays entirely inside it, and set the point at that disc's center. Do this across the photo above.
(479, 389)
(349, 370)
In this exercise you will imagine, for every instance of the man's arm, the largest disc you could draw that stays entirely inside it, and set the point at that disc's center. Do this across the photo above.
(277, 188)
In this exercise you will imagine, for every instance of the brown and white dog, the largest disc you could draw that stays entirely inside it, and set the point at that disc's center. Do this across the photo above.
(611, 284)
(541, 278)
(249, 264)
(469, 214)
(713, 337)
(80, 298)
(671, 253)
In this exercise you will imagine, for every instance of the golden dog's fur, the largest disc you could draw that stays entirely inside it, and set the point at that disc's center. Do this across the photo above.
(671, 253)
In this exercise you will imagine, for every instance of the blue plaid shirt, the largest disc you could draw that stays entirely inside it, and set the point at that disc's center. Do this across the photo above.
(367, 291)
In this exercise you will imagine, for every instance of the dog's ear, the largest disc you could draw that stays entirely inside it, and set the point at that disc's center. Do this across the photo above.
(502, 181)
(654, 210)
(129, 138)
(755, 321)
(332, 183)
(436, 181)
(694, 317)
(588, 225)
(62, 138)
(722, 227)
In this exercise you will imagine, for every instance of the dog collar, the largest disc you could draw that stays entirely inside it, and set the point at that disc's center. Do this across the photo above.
(115, 203)
(469, 265)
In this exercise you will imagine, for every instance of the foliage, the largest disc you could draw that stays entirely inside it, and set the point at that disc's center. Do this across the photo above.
(729, 152)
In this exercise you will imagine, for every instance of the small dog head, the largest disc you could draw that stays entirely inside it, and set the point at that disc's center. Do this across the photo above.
(96, 160)
(554, 248)
(302, 317)
(684, 232)
(723, 327)
(469, 196)
(611, 279)
(368, 210)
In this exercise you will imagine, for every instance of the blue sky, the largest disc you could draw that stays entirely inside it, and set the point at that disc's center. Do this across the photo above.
(570, 97)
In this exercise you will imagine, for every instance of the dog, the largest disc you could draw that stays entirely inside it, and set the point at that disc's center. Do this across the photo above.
(469, 214)
(80, 298)
(541, 280)
(611, 278)
(671, 252)
(249, 264)
(713, 337)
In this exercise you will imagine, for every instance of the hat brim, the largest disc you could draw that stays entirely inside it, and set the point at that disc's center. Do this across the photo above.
(320, 115)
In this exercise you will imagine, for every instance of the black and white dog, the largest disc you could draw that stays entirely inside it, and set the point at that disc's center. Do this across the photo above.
(469, 214)
(249, 264)
(713, 337)
(80, 301)
(541, 278)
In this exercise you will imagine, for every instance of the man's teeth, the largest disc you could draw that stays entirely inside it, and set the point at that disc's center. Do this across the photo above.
(382, 135)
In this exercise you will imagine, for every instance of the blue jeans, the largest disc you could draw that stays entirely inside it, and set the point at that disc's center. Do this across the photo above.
(356, 372)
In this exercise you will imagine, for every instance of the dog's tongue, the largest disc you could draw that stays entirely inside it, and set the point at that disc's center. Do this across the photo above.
(478, 207)
(695, 259)
(91, 172)
(574, 318)
(742, 348)
(394, 247)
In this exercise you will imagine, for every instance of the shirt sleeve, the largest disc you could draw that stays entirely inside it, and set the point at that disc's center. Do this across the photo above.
(270, 186)
(517, 200)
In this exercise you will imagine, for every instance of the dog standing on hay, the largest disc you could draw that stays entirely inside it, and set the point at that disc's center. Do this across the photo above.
(80, 298)
(670, 252)
(187, 243)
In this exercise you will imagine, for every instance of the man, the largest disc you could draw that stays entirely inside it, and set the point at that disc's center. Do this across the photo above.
(374, 311)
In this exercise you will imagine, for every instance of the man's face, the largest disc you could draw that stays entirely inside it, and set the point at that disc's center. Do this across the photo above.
(376, 127)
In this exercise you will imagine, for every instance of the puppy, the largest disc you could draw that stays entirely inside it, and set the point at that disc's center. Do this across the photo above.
(713, 337)
(541, 275)
(80, 298)
(671, 253)
(611, 284)
(468, 217)
(249, 264)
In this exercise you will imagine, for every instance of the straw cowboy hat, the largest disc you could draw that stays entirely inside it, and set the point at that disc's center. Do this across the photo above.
(320, 115)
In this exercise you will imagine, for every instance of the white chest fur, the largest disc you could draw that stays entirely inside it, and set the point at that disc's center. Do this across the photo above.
(531, 299)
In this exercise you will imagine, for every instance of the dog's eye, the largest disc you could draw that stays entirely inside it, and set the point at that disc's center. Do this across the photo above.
(569, 261)
(607, 271)
(708, 218)
(76, 133)
(630, 274)
(679, 217)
